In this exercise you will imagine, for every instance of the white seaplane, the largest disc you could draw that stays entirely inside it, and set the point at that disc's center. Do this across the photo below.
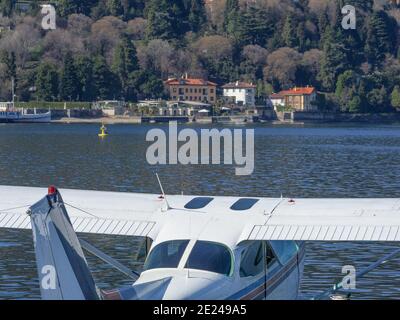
(203, 248)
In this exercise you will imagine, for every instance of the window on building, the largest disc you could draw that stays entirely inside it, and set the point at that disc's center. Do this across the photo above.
(211, 90)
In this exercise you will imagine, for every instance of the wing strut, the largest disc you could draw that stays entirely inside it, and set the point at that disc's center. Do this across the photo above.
(339, 286)
(111, 261)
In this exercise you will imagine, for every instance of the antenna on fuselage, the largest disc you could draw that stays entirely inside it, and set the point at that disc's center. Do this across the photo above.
(163, 193)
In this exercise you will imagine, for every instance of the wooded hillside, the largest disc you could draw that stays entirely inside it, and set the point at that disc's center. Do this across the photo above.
(106, 49)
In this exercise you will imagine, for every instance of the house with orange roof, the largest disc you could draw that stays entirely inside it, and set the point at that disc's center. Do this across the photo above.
(192, 90)
(297, 99)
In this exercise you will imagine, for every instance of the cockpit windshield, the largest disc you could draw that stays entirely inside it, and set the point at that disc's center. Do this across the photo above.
(209, 256)
(166, 255)
(204, 255)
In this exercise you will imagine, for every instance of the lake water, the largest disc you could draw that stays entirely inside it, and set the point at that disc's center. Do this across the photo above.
(296, 161)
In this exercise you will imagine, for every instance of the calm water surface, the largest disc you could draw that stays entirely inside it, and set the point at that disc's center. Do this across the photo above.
(305, 161)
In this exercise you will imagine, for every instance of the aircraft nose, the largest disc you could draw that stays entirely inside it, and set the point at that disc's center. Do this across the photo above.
(186, 288)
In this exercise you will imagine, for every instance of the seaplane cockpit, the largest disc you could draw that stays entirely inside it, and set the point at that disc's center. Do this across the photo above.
(201, 248)
(198, 269)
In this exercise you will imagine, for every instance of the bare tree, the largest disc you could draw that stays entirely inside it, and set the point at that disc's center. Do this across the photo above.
(137, 28)
(79, 24)
(282, 66)
(60, 41)
(106, 33)
(157, 56)
(22, 40)
(213, 47)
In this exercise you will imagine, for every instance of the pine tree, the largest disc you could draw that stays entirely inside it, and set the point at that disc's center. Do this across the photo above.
(289, 32)
(231, 16)
(160, 22)
(84, 68)
(106, 84)
(125, 63)
(69, 89)
(334, 60)
(380, 38)
(255, 27)
(197, 15)
(46, 82)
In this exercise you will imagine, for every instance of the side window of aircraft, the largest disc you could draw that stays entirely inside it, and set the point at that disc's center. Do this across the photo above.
(252, 260)
(166, 255)
(269, 255)
(285, 250)
(210, 256)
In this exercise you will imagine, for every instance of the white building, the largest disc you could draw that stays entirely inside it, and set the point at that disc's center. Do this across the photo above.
(242, 93)
(277, 100)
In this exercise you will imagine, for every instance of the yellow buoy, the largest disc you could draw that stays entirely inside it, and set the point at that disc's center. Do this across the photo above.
(103, 132)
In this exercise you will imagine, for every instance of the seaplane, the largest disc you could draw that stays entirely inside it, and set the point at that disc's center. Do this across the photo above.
(199, 247)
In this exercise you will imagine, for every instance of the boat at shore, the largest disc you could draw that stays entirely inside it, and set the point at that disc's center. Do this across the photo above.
(20, 117)
(9, 114)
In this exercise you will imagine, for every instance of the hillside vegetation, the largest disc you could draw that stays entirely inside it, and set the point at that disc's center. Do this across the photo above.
(124, 49)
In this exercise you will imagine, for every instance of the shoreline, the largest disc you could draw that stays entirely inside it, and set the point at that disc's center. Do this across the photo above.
(137, 120)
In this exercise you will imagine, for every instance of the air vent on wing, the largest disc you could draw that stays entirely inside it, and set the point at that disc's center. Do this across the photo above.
(244, 204)
(198, 203)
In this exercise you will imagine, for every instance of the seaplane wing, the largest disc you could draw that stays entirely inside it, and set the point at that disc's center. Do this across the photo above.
(95, 212)
(144, 215)
(331, 220)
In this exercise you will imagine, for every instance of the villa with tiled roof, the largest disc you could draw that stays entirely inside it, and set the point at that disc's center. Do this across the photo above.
(192, 89)
(298, 99)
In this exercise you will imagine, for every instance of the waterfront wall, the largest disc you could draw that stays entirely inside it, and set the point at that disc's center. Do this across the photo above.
(338, 117)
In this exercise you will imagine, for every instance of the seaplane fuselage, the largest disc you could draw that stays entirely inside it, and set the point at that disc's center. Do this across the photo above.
(203, 270)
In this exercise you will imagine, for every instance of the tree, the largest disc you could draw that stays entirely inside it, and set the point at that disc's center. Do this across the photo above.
(289, 32)
(333, 60)
(197, 15)
(380, 38)
(255, 26)
(106, 84)
(7, 7)
(147, 85)
(355, 104)
(282, 67)
(46, 82)
(10, 61)
(231, 17)
(115, 7)
(67, 7)
(69, 89)
(395, 97)
(346, 88)
(378, 100)
(84, 72)
(125, 63)
(160, 21)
